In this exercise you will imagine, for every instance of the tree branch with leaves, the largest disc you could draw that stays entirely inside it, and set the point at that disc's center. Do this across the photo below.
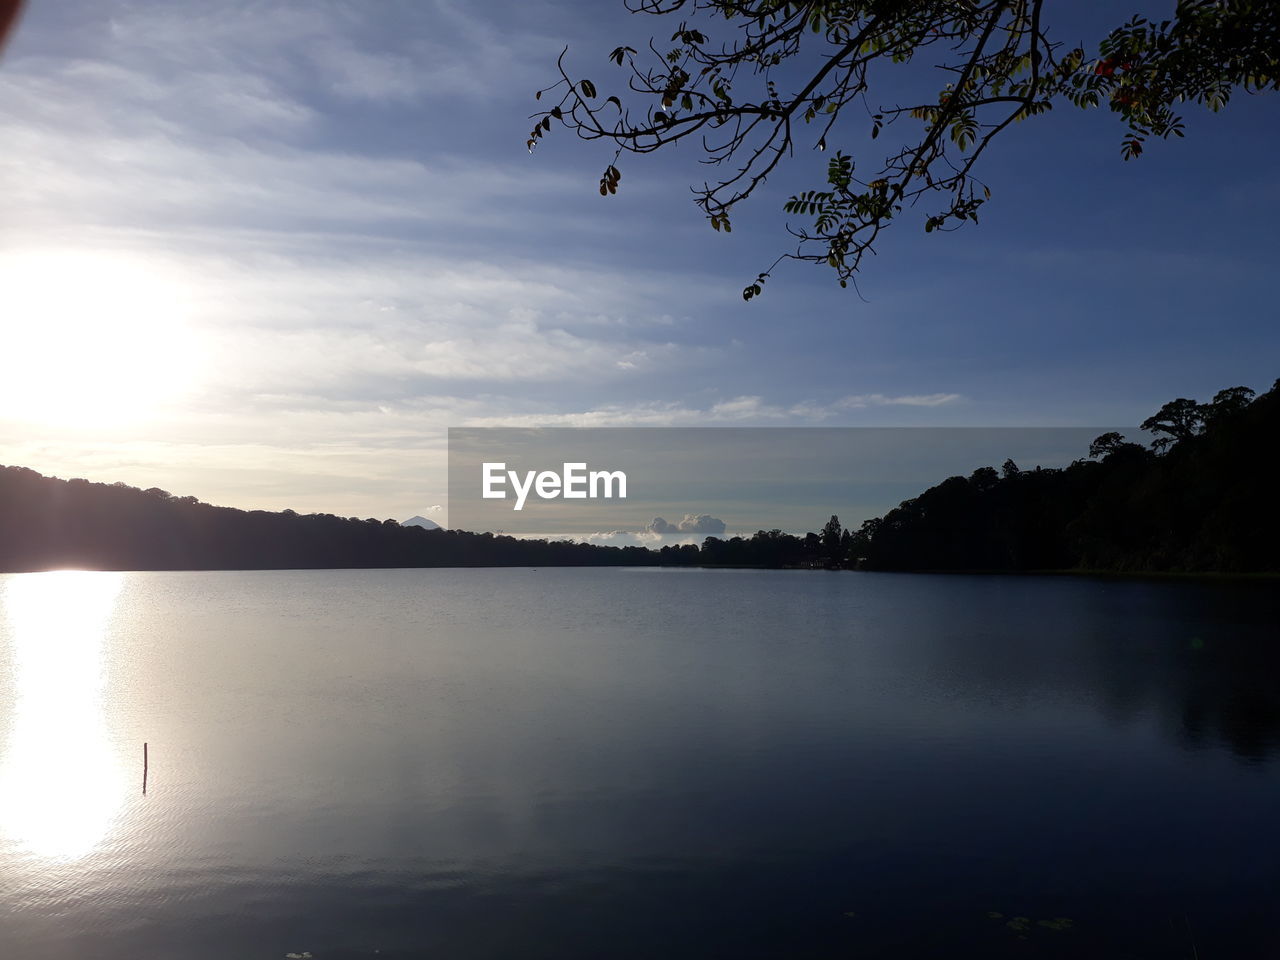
(788, 75)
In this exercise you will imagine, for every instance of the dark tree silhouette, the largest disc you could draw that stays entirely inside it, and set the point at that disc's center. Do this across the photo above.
(831, 535)
(1177, 420)
(1228, 403)
(47, 523)
(746, 82)
(1206, 503)
(1105, 444)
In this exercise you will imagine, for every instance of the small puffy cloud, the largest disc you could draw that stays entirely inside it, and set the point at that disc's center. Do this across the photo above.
(692, 523)
(858, 401)
(693, 529)
(739, 408)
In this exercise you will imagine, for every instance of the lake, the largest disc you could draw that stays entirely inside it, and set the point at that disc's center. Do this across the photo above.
(636, 763)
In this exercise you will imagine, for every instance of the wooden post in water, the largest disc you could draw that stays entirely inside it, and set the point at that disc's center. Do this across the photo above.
(144, 768)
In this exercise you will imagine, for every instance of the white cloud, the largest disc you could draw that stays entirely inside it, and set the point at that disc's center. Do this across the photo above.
(157, 177)
(741, 408)
(692, 523)
(408, 52)
(377, 77)
(744, 410)
(858, 401)
(196, 116)
(348, 301)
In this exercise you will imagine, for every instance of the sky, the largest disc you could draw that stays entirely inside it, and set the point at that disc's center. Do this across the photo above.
(653, 486)
(267, 253)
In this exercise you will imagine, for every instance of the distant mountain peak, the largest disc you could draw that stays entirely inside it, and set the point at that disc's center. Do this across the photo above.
(420, 522)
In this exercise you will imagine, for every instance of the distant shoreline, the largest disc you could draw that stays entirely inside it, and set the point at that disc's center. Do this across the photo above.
(1204, 575)
(1103, 574)
(1198, 505)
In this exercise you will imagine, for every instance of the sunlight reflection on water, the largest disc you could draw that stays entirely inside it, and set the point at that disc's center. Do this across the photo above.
(61, 786)
(464, 763)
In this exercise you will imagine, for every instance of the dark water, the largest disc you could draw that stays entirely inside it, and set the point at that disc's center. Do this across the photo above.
(631, 763)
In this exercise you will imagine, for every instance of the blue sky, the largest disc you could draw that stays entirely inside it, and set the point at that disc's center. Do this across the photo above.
(267, 253)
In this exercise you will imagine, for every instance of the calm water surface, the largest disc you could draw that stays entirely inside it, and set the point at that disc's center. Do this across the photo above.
(636, 763)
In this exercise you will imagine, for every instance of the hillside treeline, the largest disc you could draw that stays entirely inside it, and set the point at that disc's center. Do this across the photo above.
(48, 523)
(1203, 497)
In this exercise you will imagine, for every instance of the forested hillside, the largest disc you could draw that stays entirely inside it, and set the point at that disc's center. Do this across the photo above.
(48, 523)
(1202, 498)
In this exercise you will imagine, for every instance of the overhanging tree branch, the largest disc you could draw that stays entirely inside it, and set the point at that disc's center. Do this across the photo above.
(1004, 69)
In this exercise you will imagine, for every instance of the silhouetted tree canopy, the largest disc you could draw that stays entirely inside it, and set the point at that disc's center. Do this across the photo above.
(1202, 500)
(47, 523)
(746, 82)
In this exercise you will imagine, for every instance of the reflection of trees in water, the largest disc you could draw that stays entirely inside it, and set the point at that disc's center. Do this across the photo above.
(1200, 659)
(1232, 696)
(1215, 680)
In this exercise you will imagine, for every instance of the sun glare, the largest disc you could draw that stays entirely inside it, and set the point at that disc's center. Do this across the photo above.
(97, 339)
(60, 783)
